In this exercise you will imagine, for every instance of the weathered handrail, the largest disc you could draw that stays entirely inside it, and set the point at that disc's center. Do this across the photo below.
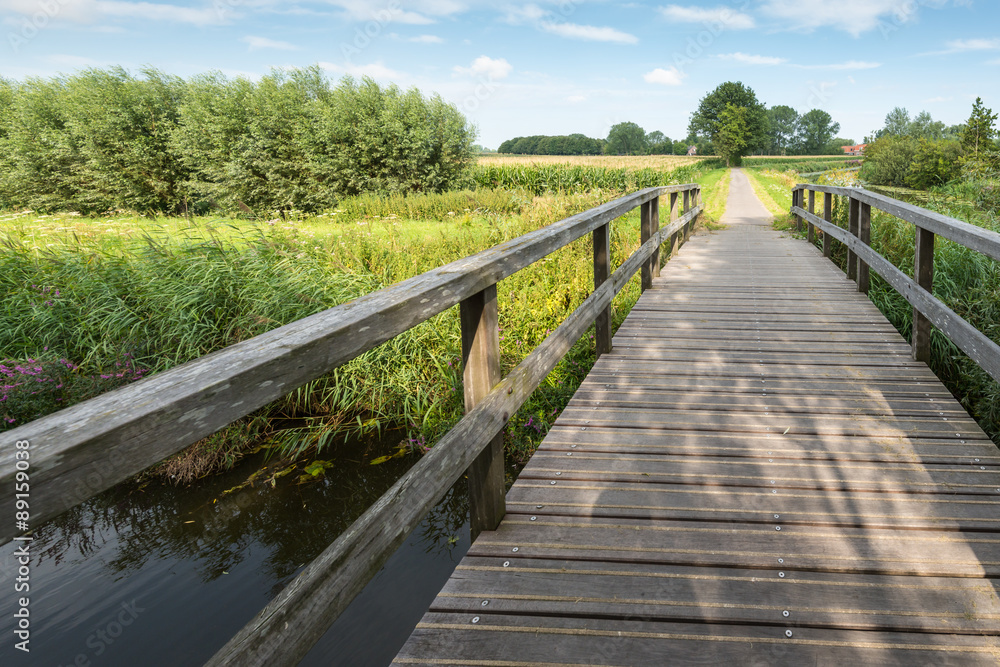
(85, 449)
(927, 309)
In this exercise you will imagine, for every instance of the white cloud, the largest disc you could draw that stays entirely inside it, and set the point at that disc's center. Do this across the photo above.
(374, 70)
(419, 12)
(530, 13)
(933, 100)
(849, 65)
(851, 16)
(752, 60)
(589, 33)
(493, 69)
(721, 16)
(91, 11)
(957, 45)
(665, 77)
(265, 43)
(576, 99)
(426, 39)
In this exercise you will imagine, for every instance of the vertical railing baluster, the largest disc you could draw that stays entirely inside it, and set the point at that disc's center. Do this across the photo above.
(480, 373)
(602, 270)
(923, 273)
(674, 214)
(797, 202)
(852, 227)
(645, 227)
(687, 207)
(828, 216)
(865, 234)
(812, 209)
(654, 228)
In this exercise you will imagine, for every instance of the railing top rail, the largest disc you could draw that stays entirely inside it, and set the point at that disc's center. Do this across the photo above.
(975, 238)
(89, 447)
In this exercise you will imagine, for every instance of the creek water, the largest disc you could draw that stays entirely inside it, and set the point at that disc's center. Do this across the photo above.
(161, 575)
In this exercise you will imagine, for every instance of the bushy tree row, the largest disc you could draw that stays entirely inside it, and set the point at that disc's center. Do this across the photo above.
(571, 144)
(105, 139)
(924, 153)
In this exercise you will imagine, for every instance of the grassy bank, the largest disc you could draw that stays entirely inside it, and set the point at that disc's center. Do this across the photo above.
(96, 303)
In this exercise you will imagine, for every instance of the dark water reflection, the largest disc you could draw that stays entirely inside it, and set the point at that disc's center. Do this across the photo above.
(164, 576)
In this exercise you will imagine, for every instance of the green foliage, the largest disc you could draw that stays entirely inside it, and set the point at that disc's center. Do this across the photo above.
(541, 179)
(888, 160)
(815, 130)
(977, 137)
(934, 163)
(103, 139)
(732, 136)
(706, 121)
(573, 144)
(897, 123)
(484, 201)
(803, 165)
(626, 139)
(782, 123)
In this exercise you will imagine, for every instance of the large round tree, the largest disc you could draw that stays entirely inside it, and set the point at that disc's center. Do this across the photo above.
(711, 117)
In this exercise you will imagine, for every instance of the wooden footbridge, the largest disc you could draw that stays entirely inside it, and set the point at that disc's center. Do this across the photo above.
(756, 470)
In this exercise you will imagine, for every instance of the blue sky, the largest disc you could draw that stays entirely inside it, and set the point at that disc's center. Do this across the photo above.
(551, 67)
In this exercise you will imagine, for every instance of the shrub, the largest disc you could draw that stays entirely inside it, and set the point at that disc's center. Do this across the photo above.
(935, 163)
(887, 160)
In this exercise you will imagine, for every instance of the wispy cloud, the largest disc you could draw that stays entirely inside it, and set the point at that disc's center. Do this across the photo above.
(374, 70)
(256, 43)
(723, 16)
(851, 16)
(426, 39)
(849, 65)
(965, 46)
(91, 11)
(664, 77)
(934, 100)
(492, 68)
(751, 60)
(589, 32)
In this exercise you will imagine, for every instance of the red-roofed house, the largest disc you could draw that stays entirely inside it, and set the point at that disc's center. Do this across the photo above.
(854, 150)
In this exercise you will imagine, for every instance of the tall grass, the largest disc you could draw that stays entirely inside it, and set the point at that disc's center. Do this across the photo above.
(158, 297)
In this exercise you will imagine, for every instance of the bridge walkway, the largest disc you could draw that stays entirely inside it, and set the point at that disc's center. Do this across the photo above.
(758, 473)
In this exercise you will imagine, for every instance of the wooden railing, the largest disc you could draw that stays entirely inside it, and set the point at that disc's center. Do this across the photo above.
(85, 449)
(927, 310)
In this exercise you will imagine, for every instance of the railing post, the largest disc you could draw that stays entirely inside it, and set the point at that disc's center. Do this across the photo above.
(828, 216)
(852, 227)
(923, 273)
(797, 202)
(673, 216)
(865, 234)
(645, 233)
(812, 209)
(687, 207)
(602, 270)
(654, 228)
(480, 373)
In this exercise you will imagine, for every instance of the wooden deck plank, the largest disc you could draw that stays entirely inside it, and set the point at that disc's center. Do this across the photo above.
(758, 443)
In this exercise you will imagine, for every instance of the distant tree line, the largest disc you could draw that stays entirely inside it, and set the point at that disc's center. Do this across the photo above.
(105, 139)
(922, 153)
(570, 144)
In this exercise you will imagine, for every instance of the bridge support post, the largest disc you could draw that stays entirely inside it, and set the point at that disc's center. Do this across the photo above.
(602, 271)
(674, 214)
(648, 226)
(923, 273)
(797, 202)
(852, 227)
(812, 209)
(687, 207)
(480, 373)
(865, 234)
(828, 216)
